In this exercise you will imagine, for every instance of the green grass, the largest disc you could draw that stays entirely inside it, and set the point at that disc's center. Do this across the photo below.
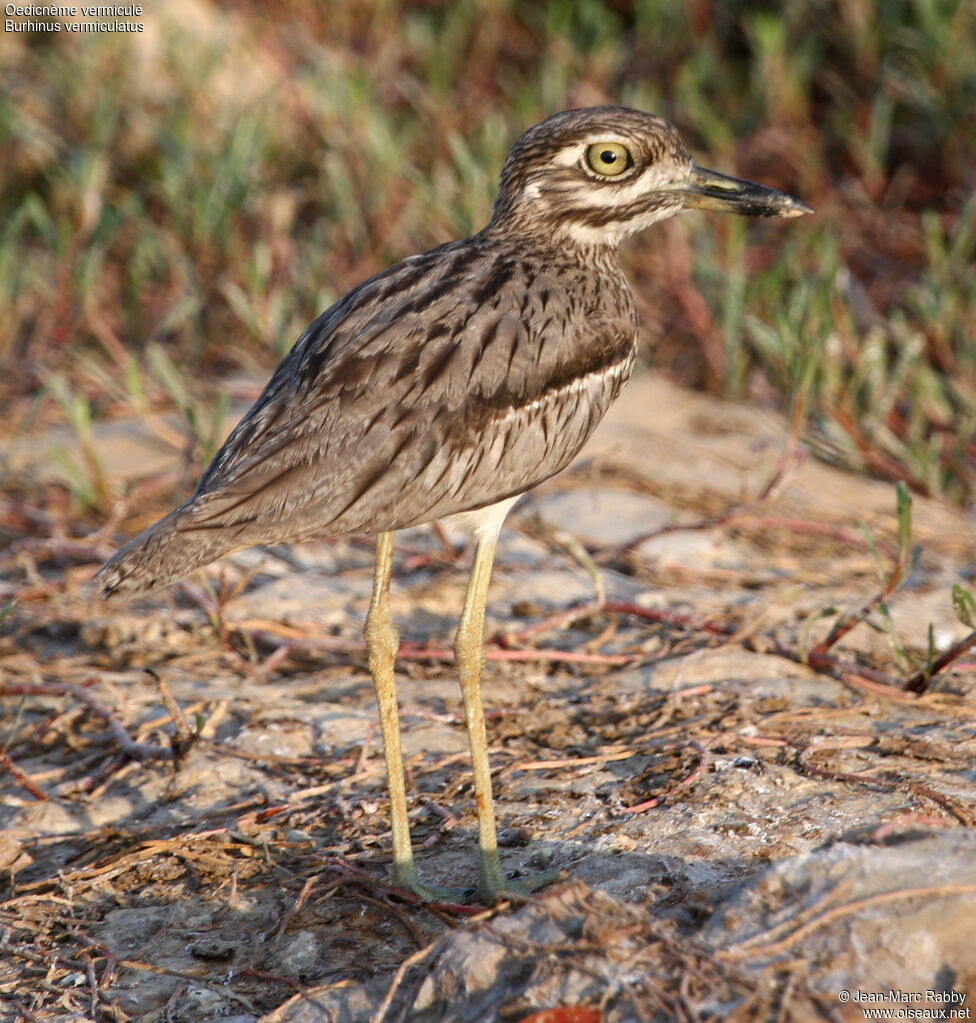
(176, 207)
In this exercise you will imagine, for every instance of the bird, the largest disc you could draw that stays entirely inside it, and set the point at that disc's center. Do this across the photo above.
(442, 389)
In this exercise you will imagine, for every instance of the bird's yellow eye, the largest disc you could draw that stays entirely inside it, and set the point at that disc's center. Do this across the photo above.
(608, 158)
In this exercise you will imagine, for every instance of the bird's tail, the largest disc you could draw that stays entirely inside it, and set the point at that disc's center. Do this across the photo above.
(162, 554)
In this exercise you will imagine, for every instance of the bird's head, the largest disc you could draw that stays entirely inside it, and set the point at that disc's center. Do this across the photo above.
(596, 175)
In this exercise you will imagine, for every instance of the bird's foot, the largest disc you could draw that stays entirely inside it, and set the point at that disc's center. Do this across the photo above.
(524, 886)
(493, 887)
(407, 877)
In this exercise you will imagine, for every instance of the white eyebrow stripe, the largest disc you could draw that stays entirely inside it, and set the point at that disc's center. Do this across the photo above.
(658, 177)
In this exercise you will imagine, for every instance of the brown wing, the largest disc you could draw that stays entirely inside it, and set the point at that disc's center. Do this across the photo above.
(451, 381)
(446, 383)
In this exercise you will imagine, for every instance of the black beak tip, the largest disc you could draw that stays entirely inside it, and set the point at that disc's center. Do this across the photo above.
(711, 190)
(760, 201)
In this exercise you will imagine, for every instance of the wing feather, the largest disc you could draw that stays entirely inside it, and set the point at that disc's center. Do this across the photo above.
(448, 382)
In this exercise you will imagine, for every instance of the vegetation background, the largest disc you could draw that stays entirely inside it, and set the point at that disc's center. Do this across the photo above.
(175, 205)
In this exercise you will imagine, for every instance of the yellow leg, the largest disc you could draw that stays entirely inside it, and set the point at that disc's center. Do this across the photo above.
(469, 652)
(382, 643)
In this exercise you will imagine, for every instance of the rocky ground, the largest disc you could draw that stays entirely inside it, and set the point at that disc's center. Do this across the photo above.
(742, 837)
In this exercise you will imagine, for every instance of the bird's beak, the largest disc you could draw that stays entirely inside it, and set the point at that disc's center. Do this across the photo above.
(709, 190)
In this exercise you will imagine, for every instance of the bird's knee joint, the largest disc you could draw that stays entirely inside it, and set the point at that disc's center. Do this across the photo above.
(380, 633)
(469, 648)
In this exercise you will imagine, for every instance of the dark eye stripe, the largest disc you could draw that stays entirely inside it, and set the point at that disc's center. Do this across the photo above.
(601, 216)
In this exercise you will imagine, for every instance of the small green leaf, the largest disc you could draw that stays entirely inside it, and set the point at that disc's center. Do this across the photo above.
(904, 504)
(964, 604)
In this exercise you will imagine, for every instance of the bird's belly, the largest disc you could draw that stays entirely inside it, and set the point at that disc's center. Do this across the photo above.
(482, 523)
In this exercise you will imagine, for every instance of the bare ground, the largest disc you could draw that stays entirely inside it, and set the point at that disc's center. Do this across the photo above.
(742, 837)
